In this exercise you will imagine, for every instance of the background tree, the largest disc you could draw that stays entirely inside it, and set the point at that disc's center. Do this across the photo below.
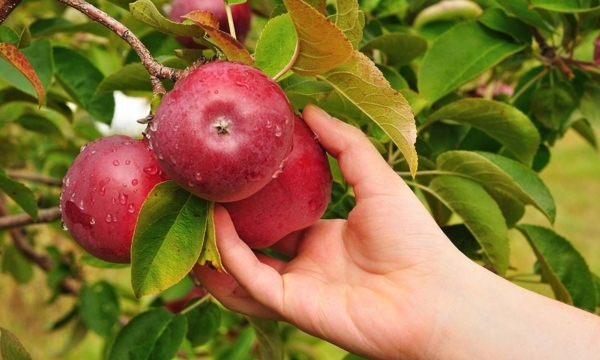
(465, 100)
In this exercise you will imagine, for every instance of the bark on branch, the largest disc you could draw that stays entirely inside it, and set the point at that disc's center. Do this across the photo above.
(44, 216)
(7, 7)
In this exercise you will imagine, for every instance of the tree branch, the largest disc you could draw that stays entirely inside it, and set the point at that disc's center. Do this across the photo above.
(33, 177)
(7, 7)
(44, 216)
(42, 261)
(154, 68)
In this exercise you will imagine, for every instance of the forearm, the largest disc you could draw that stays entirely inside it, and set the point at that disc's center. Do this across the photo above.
(492, 318)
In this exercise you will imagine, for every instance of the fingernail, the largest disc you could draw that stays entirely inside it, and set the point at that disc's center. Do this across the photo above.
(318, 110)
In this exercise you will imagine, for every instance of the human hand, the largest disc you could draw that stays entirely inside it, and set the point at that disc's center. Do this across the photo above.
(371, 284)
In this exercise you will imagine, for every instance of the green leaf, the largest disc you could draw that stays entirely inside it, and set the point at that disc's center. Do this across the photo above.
(563, 6)
(80, 79)
(8, 35)
(496, 19)
(168, 238)
(276, 46)
(153, 335)
(204, 322)
(584, 128)
(241, 348)
(480, 213)
(464, 241)
(500, 174)
(90, 260)
(552, 104)
(590, 100)
(359, 81)
(399, 48)
(443, 68)
(506, 124)
(100, 307)
(20, 193)
(522, 10)
(321, 45)
(16, 264)
(350, 19)
(210, 252)
(447, 11)
(39, 124)
(563, 267)
(19, 61)
(146, 12)
(11, 348)
(268, 335)
(133, 77)
(51, 26)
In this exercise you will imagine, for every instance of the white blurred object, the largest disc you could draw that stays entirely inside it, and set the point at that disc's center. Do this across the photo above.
(127, 111)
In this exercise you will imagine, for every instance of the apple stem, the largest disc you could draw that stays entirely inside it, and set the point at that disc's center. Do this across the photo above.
(6, 7)
(290, 64)
(230, 19)
(155, 69)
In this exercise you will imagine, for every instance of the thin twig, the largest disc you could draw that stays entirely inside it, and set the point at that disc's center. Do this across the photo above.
(154, 68)
(44, 216)
(33, 177)
(7, 7)
(42, 261)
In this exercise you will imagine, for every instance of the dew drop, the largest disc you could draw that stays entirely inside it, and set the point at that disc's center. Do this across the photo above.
(82, 148)
(93, 152)
(72, 196)
(134, 182)
(124, 184)
(116, 163)
(64, 226)
(239, 83)
(151, 170)
(198, 176)
(278, 131)
(176, 146)
(92, 221)
(114, 201)
(114, 219)
(269, 124)
(131, 208)
(122, 198)
(149, 143)
(153, 125)
(175, 127)
(216, 91)
(103, 190)
(160, 156)
(108, 218)
(127, 142)
(312, 205)
(81, 206)
(59, 206)
(127, 162)
(68, 181)
(173, 160)
(191, 183)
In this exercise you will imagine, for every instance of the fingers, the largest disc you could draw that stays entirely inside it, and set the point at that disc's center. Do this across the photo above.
(260, 280)
(362, 166)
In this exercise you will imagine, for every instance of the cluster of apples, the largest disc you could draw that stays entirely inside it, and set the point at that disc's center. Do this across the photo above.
(226, 133)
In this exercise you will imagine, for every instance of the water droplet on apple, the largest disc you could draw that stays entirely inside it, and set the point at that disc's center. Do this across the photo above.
(67, 181)
(150, 144)
(278, 131)
(175, 127)
(92, 221)
(114, 219)
(160, 156)
(116, 163)
(127, 162)
(191, 183)
(151, 170)
(176, 146)
(131, 208)
(82, 148)
(93, 152)
(60, 196)
(269, 124)
(153, 125)
(134, 182)
(216, 91)
(108, 218)
(81, 206)
(173, 161)
(239, 83)
(312, 205)
(127, 142)
(198, 176)
(122, 198)
(103, 190)
(72, 196)
(114, 201)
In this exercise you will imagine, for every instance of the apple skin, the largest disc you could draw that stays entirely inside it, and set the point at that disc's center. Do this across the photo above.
(295, 199)
(223, 132)
(176, 306)
(241, 13)
(102, 194)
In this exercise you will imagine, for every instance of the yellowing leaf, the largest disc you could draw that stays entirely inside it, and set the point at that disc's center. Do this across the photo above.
(12, 54)
(322, 46)
(146, 12)
(210, 253)
(233, 49)
(350, 19)
(363, 84)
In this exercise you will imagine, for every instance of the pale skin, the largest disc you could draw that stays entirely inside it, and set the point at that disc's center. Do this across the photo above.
(387, 283)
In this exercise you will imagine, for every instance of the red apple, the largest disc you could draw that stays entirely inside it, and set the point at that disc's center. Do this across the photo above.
(223, 132)
(241, 14)
(103, 191)
(292, 201)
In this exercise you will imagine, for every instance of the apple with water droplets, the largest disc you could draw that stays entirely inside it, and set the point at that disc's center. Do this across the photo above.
(241, 14)
(223, 132)
(295, 199)
(102, 194)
